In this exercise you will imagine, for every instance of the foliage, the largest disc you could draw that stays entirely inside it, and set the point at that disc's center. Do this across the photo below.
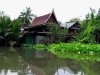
(15, 30)
(77, 51)
(57, 31)
(74, 20)
(40, 47)
(9, 29)
(5, 22)
(36, 46)
(2, 13)
(26, 16)
(89, 32)
(90, 28)
(79, 48)
(75, 47)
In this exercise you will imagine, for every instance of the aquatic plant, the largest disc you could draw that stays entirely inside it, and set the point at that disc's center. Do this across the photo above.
(75, 47)
(40, 47)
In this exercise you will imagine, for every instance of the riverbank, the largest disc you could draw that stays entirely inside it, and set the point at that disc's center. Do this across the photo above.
(76, 48)
(69, 47)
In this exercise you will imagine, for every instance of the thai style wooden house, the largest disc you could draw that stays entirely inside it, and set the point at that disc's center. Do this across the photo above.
(37, 31)
(73, 30)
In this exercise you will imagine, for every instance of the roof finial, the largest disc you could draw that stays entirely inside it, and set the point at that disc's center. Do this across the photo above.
(53, 10)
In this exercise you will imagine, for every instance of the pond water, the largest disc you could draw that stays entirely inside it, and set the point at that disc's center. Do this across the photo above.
(26, 61)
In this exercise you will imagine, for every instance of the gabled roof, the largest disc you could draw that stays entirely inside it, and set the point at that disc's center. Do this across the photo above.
(69, 24)
(41, 20)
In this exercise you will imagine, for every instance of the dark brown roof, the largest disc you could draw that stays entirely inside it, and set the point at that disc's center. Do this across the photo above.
(41, 20)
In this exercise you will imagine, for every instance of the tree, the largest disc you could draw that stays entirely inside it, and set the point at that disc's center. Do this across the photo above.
(74, 20)
(2, 13)
(57, 32)
(15, 30)
(9, 29)
(26, 16)
(5, 22)
(91, 32)
(87, 34)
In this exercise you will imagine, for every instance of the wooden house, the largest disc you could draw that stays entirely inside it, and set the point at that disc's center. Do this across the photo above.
(73, 30)
(37, 32)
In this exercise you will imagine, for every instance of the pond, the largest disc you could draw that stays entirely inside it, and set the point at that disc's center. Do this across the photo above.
(26, 61)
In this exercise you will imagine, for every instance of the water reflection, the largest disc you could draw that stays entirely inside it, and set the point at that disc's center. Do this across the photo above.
(64, 71)
(11, 63)
(48, 64)
(26, 61)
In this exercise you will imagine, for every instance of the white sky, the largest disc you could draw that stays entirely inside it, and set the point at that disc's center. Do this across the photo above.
(64, 9)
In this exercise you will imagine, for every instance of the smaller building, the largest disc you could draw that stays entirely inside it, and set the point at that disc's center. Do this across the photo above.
(73, 30)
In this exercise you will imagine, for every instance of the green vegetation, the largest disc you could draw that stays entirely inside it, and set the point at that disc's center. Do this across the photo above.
(78, 48)
(57, 32)
(89, 32)
(36, 46)
(14, 32)
(77, 56)
(75, 47)
(26, 16)
(90, 29)
(5, 22)
(10, 29)
(40, 47)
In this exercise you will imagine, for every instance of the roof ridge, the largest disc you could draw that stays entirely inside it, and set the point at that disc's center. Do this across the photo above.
(49, 16)
(43, 19)
(43, 15)
(71, 22)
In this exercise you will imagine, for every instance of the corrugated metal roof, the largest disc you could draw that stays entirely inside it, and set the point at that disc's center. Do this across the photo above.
(68, 24)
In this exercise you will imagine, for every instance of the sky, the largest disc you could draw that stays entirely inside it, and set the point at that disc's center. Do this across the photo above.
(64, 9)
